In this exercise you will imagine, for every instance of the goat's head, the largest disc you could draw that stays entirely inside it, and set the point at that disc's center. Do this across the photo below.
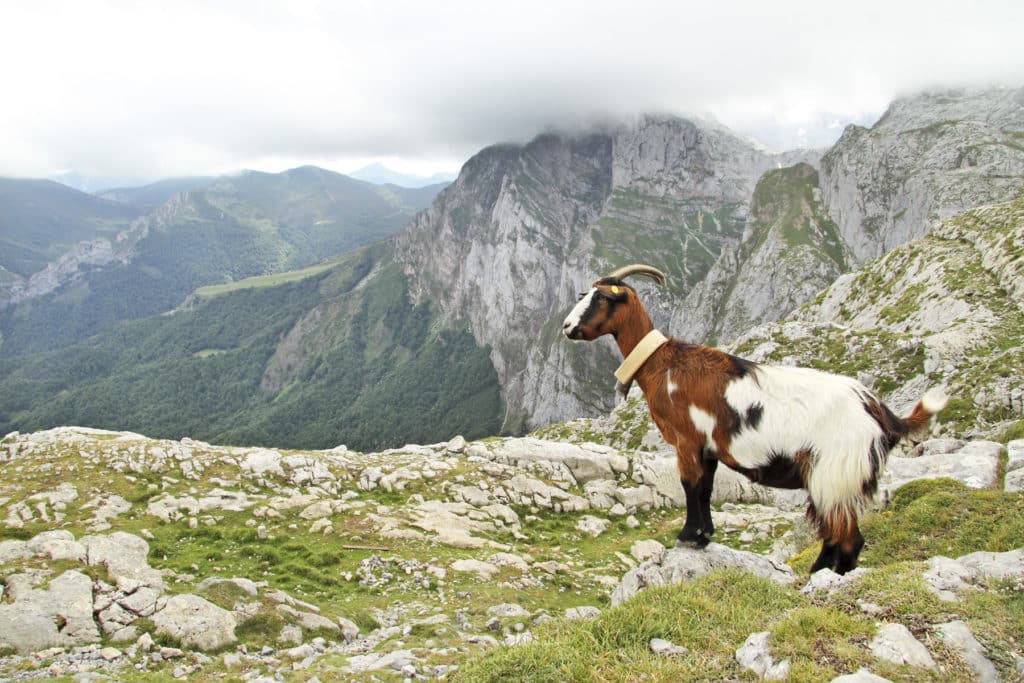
(609, 305)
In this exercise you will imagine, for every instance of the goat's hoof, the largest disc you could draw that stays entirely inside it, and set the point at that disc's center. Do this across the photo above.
(697, 542)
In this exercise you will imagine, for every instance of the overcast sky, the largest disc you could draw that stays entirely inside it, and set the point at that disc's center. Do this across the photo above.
(153, 89)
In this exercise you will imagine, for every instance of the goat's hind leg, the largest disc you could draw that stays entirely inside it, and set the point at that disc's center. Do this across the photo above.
(826, 558)
(849, 550)
(841, 540)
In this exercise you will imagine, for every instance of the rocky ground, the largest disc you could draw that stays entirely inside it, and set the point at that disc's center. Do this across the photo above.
(127, 557)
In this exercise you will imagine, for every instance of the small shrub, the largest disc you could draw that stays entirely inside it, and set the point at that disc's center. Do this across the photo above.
(263, 626)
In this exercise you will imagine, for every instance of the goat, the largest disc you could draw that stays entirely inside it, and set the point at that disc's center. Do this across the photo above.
(784, 427)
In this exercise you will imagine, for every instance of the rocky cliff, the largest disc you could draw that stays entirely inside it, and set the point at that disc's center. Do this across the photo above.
(928, 158)
(509, 245)
(789, 252)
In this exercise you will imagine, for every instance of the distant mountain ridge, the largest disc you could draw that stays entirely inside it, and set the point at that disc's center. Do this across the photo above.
(379, 174)
(146, 262)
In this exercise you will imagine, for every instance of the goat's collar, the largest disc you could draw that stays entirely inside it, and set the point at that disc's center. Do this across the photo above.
(653, 341)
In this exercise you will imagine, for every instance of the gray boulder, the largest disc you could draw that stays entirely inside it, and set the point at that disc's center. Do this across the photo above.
(945, 576)
(976, 464)
(860, 676)
(895, 643)
(125, 557)
(683, 564)
(754, 655)
(57, 545)
(959, 638)
(195, 622)
(59, 616)
(1015, 465)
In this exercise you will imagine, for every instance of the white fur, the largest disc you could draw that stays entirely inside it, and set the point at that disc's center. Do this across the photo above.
(805, 408)
(934, 400)
(572, 320)
(705, 424)
(670, 386)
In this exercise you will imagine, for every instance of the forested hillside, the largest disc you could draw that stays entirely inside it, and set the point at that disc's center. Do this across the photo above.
(341, 356)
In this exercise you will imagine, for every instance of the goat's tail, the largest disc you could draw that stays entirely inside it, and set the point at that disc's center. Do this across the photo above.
(932, 402)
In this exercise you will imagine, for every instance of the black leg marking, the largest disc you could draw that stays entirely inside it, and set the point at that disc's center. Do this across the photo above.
(707, 483)
(849, 551)
(691, 533)
(826, 558)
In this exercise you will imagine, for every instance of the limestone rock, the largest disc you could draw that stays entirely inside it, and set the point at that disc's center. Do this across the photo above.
(57, 545)
(508, 610)
(828, 582)
(586, 612)
(14, 550)
(386, 660)
(959, 638)
(1015, 465)
(195, 622)
(684, 564)
(349, 629)
(586, 462)
(860, 676)
(648, 549)
(592, 526)
(125, 557)
(895, 643)
(665, 648)
(60, 615)
(754, 655)
(484, 570)
(946, 576)
(308, 620)
(975, 464)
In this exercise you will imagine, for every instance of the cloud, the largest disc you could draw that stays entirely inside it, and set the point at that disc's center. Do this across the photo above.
(151, 89)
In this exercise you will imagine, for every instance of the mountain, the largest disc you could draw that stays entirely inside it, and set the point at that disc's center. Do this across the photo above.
(524, 229)
(790, 251)
(229, 229)
(928, 158)
(379, 174)
(153, 195)
(41, 220)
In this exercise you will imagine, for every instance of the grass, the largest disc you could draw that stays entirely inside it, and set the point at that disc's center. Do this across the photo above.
(272, 280)
(718, 611)
(821, 637)
(943, 517)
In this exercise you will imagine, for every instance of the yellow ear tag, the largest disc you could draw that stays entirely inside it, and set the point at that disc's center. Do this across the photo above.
(615, 289)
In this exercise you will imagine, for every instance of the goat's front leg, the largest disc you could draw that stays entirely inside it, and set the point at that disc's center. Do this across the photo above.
(707, 482)
(697, 477)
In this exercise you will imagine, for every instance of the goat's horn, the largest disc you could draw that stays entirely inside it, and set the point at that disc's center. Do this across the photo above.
(640, 269)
